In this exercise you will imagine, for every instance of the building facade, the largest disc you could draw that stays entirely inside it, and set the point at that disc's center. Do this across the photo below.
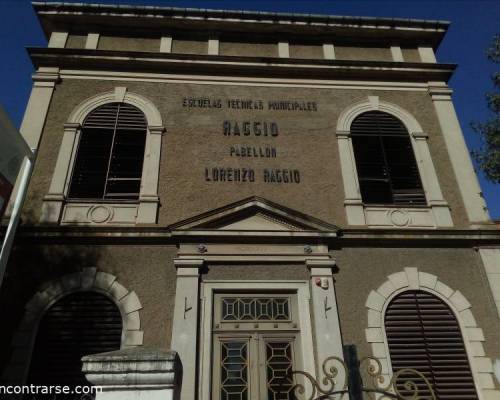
(252, 191)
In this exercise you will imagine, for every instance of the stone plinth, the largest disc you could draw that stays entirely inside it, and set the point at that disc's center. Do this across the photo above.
(134, 374)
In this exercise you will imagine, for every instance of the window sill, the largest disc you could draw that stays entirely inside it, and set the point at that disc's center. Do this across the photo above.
(391, 216)
(100, 212)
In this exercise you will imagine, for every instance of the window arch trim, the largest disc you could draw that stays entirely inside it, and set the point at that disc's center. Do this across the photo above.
(56, 208)
(436, 214)
(473, 336)
(89, 279)
(120, 95)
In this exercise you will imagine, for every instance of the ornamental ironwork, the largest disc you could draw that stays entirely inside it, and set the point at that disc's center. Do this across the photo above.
(342, 377)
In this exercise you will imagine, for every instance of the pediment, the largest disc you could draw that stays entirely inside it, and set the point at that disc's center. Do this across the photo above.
(254, 214)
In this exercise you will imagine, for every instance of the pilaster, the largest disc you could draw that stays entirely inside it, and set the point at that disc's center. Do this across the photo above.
(58, 39)
(213, 46)
(326, 318)
(148, 198)
(44, 82)
(427, 54)
(283, 50)
(92, 41)
(185, 324)
(329, 51)
(468, 184)
(53, 201)
(435, 198)
(353, 202)
(166, 44)
(491, 261)
(397, 54)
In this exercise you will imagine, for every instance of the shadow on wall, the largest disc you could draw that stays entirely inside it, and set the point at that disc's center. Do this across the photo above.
(33, 263)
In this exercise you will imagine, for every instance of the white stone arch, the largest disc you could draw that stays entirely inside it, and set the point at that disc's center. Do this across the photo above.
(437, 214)
(373, 103)
(56, 208)
(413, 279)
(121, 95)
(89, 279)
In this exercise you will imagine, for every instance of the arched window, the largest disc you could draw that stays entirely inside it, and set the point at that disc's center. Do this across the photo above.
(110, 154)
(385, 162)
(423, 334)
(79, 324)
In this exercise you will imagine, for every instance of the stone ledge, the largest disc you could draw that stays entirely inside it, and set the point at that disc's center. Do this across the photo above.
(133, 368)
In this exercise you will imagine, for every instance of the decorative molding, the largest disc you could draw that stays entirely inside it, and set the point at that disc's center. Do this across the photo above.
(152, 114)
(437, 214)
(348, 115)
(54, 208)
(89, 279)
(412, 279)
(96, 213)
(302, 290)
(243, 81)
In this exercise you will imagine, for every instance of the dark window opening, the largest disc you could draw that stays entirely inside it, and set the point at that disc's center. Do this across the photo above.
(110, 154)
(386, 165)
(423, 334)
(79, 324)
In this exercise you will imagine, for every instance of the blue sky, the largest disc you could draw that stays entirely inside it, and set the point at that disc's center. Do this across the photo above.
(473, 24)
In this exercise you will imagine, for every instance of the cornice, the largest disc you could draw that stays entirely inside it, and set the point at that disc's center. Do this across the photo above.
(60, 15)
(239, 66)
(348, 237)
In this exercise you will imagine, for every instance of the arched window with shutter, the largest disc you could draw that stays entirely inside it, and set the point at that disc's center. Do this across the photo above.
(385, 162)
(423, 334)
(79, 324)
(110, 154)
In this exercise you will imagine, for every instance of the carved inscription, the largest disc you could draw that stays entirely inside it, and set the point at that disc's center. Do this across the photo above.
(257, 129)
(250, 104)
(256, 152)
(247, 128)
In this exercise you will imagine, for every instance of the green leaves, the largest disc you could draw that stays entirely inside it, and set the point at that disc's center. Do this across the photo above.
(488, 155)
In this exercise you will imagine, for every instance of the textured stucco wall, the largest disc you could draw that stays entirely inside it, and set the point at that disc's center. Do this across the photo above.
(189, 46)
(76, 41)
(128, 43)
(306, 51)
(363, 53)
(411, 55)
(248, 49)
(365, 269)
(194, 140)
(147, 270)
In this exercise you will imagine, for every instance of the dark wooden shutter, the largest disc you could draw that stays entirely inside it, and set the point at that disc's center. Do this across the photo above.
(423, 334)
(79, 324)
(387, 168)
(110, 154)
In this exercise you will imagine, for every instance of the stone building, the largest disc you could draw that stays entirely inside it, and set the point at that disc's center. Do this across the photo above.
(221, 197)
